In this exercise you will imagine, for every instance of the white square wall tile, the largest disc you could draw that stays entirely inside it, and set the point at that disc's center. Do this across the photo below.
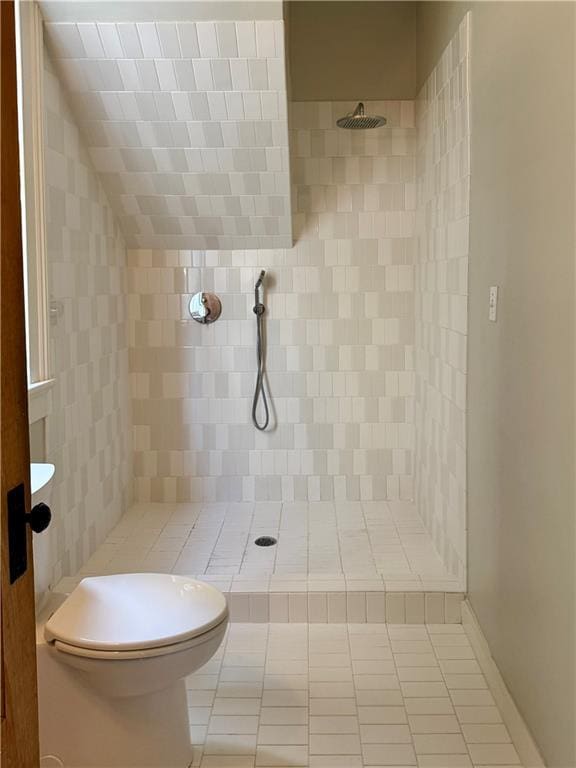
(336, 602)
(278, 610)
(395, 608)
(259, 608)
(434, 608)
(317, 607)
(298, 607)
(376, 607)
(356, 607)
(239, 606)
(414, 607)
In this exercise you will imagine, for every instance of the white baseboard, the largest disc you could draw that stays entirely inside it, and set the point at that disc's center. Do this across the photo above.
(519, 733)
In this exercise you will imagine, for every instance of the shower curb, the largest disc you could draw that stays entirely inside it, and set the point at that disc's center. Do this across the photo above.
(346, 607)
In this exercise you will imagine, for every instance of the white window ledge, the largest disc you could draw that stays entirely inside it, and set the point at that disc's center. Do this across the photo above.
(40, 400)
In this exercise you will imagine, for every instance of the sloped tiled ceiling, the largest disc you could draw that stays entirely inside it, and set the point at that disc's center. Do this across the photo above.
(186, 124)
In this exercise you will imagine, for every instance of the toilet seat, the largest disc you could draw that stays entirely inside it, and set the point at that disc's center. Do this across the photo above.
(136, 615)
(142, 653)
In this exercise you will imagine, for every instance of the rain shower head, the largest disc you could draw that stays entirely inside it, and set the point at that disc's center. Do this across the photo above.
(360, 121)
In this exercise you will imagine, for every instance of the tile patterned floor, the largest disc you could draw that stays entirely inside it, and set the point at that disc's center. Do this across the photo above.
(349, 546)
(345, 696)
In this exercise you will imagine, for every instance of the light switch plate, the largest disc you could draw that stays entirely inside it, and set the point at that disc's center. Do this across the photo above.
(493, 303)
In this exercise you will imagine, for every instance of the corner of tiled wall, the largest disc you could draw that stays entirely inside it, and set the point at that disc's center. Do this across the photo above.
(441, 299)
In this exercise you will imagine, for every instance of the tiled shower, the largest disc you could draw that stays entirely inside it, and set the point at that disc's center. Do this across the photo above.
(366, 311)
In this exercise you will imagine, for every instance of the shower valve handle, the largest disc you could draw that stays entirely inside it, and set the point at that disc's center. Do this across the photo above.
(205, 307)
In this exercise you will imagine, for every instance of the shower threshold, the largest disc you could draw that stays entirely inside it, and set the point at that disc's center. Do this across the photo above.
(333, 561)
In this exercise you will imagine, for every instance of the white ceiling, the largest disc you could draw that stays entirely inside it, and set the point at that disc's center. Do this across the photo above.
(186, 124)
(161, 10)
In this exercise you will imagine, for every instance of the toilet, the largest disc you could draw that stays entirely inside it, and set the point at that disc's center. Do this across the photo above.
(112, 663)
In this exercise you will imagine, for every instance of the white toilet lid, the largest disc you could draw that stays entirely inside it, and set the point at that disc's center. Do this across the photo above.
(136, 610)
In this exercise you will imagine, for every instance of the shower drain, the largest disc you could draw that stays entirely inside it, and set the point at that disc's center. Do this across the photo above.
(265, 541)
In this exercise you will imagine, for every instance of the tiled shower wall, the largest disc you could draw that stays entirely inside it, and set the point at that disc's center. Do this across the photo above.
(441, 288)
(340, 327)
(88, 431)
(186, 126)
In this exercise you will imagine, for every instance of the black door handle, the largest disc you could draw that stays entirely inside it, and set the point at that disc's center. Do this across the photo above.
(39, 518)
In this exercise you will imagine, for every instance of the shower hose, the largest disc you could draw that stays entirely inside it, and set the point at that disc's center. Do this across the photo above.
(260, 392)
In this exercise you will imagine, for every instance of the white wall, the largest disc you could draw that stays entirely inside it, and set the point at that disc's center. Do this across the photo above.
(186, 125)
(441, 299)
(88, 431)
(340, 336)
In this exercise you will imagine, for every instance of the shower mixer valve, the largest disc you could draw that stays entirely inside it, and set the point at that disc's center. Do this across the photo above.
(205, 307)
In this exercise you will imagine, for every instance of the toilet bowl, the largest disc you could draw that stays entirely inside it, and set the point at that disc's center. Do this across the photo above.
(112, 660)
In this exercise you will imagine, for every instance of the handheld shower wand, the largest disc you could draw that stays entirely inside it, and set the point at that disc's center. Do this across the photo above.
(260, 392)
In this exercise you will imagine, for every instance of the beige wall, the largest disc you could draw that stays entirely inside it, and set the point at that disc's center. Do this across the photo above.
(520, 375)
(330, 44)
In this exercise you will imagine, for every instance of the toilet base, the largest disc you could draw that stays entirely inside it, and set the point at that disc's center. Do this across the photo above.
(80, 728)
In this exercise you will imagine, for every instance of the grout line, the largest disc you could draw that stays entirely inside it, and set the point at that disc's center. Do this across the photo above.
(400, 689)
(450, 697)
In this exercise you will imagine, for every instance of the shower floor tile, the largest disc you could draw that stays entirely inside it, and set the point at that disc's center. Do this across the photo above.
(345, 696)
(321, 547)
